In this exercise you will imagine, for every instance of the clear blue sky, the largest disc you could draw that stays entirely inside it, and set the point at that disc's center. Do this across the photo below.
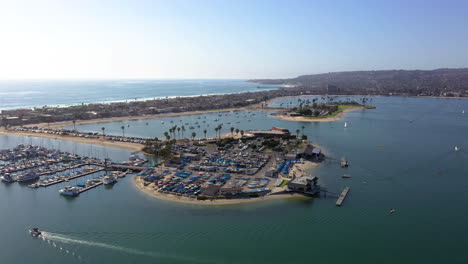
(227, 39)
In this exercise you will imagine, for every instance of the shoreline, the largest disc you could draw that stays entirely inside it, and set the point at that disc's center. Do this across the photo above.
(337, 117)
(63, 124)
(101, 142)
(180, 199)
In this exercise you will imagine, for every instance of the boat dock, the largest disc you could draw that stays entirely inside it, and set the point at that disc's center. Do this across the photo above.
(71, 178)
(62, 169)
(89, 187)
(342, 196)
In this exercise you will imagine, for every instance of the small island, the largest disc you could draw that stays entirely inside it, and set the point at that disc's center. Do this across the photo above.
(311, 111)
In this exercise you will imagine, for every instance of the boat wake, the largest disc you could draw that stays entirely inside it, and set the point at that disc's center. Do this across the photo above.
(54, 238)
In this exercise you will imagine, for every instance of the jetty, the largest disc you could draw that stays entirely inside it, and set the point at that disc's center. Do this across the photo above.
(342, 196)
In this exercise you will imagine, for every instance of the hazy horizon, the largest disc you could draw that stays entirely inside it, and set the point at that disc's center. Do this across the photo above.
(91, 40)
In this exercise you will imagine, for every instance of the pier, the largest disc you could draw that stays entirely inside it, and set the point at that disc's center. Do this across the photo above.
(89, 187)
(342, 196)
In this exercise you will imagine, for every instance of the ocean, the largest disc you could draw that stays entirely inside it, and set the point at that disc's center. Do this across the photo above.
(401, 156)
(39, 93)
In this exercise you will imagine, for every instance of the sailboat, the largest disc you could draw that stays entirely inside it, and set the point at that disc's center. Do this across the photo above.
(463, 111)
(345, 124)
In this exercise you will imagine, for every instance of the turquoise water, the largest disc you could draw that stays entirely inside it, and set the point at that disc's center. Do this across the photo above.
(394, 163)
(17, 94)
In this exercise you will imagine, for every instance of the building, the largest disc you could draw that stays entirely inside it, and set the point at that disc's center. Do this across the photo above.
(274, 132)
(310, 152)
(304, 184)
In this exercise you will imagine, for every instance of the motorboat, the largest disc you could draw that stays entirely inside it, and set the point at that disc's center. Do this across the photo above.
(35, 232)
(69, 191)
(344, 162)
(109, 179)
(27, 177)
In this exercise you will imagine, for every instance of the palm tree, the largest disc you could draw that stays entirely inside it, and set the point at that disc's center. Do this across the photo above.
(194, 135)
(232, 131)
(178, 131)
(242, 133)
(183, 130)
(123, 130)
(302, 129)
(219, 130)
(297, 132)
(216, 131)
(103, 129)
(204, 132)
(166, 134)
(74, 124)
(237, 131)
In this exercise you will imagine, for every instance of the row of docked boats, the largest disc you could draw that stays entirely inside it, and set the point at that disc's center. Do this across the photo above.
(91, 183)
(21, 177)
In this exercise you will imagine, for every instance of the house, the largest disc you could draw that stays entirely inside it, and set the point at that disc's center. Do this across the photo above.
(309, 152)
(304, 184)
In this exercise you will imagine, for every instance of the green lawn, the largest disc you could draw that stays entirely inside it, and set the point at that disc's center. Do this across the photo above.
(284, 183)
(341, 108)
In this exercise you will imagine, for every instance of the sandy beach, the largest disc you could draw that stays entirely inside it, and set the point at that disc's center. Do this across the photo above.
(173, 198)
(96, 141)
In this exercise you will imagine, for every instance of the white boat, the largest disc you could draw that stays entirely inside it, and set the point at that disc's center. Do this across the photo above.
(345, 124)
(69, 191)
(457, 148)
(27, 177)
(109, 179)
(463, 111)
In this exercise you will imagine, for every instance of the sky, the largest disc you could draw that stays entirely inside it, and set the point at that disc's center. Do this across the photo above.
(175, 39)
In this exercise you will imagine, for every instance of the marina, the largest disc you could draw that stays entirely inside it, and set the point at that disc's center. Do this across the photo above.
(37, 162)
(267, 223)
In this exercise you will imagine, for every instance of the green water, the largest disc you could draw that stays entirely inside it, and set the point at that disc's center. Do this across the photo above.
(409, 166)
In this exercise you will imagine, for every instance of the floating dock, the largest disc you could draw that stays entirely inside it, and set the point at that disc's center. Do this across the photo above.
(90, 187)
(62, 169)
(72, 177)
(342, 196)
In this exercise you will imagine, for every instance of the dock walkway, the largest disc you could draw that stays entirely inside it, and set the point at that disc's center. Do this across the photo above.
(342, 196)
(71, 178)
(90, 187)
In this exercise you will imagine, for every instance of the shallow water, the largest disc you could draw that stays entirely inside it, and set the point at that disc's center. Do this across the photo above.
(394, 163)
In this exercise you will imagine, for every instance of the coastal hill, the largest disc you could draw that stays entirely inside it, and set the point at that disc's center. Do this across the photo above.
(439, 82)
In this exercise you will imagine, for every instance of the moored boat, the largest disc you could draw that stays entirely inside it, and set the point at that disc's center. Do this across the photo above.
(109, 179)
(27, 177)
(69, 191)
(7, 178)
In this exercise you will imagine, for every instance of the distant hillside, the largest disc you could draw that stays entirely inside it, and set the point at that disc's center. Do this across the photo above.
(439, 82)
